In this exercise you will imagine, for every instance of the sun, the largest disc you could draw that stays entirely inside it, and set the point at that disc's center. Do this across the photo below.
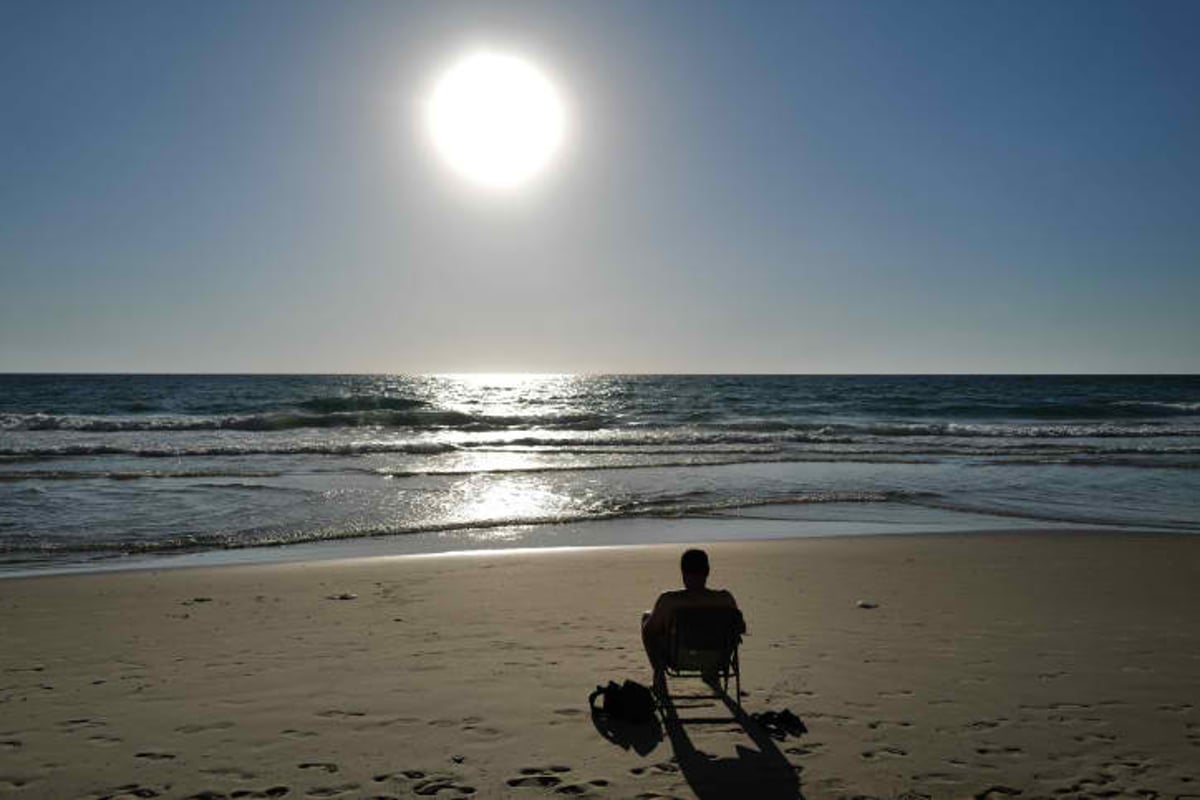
(496, 119)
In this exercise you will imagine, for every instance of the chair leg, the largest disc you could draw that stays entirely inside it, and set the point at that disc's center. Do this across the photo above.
(737, 680)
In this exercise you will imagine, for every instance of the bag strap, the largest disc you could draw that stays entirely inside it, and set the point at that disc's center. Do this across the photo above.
(601, 691)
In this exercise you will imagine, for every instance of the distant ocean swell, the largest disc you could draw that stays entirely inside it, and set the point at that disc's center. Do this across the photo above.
(288, 420)
(201, 450)
(458, 420)
(1113, 458)
(700, 454)
(117, 475)
(978, 405)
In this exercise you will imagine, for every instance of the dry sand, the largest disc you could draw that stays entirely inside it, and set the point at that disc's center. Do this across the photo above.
(1044, 665)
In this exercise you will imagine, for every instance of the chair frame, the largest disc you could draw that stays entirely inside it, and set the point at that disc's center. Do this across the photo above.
(726, 625)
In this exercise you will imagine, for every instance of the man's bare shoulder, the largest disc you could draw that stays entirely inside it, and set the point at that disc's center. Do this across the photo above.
(671, 599)
(708, 597)
(724, 597)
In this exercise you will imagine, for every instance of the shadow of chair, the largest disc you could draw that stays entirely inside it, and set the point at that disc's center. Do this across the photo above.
(763, 773)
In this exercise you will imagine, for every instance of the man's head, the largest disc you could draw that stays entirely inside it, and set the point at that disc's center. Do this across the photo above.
(694, 566)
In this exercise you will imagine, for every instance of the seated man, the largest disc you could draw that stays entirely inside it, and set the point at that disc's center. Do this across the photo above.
(656, 623)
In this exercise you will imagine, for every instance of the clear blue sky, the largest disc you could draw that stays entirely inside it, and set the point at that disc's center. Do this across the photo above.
(790, 187)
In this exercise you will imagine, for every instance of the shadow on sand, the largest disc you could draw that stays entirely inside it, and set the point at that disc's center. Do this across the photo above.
(760, 773)
(642, 739)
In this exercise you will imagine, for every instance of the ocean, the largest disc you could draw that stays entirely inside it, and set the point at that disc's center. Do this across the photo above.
(97, 470)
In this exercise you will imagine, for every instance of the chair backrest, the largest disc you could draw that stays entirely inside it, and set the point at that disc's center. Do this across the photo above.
(704, 638)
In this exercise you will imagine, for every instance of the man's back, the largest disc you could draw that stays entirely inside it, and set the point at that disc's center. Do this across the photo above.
(669, 602)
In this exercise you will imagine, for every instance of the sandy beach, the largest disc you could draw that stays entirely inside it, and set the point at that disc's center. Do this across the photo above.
(1032, 664)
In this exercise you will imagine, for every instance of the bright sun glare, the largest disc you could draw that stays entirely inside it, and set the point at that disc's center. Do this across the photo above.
(496, 119)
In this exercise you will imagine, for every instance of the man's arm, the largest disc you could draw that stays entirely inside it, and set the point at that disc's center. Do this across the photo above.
(656, 623)
(741, 619)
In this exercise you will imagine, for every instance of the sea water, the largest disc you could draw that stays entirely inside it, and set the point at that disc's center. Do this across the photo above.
(95, 468)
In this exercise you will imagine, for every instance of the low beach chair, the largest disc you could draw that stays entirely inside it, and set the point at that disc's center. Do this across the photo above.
(703, 643)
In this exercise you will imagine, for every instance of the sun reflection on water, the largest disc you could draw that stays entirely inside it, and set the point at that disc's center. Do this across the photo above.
(498, 504)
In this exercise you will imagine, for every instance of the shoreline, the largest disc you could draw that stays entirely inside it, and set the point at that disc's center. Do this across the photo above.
(1059, 663)
(766, 522)
(220, 559)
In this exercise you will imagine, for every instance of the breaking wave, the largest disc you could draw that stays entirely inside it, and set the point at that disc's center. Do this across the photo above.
(249, 449)
(119, 475)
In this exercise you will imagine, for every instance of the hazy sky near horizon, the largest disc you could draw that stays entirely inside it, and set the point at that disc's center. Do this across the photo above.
(764, 187)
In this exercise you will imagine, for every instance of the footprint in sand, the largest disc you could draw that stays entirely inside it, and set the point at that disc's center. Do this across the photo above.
(14, 782)
(201, 728)
(410, 774)
(102, 739)
(889, 751)
(292, 733)
(544, 777)
(985, 724)
(1059, 706)
(385, 722)
(999, 751)
(661, 767)
(582, 789)
(544, 781)
(936, 777)
(274, 791)
(997, 791)
(332, 791)
(433, 786)
(80, 724)
(326, 766)
(130, 791)
(884, 723)
(228, 772)
(427, 785)
(153, 755)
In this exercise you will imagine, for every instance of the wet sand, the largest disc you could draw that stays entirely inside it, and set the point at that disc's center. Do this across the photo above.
(1034, 664)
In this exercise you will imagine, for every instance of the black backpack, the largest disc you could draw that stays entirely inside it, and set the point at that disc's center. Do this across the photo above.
(631, 702)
